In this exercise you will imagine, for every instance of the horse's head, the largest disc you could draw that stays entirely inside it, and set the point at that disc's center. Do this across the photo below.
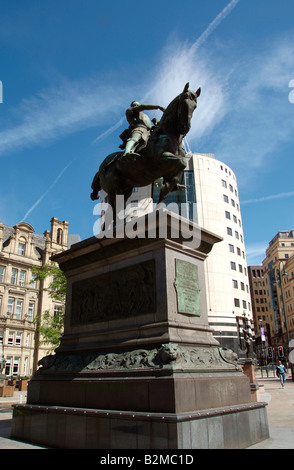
(186, 107)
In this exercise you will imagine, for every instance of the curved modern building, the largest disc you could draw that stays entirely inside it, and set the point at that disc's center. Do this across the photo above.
(218, 210)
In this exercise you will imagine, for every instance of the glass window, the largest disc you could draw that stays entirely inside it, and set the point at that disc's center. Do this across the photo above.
(18, 337)
(10, 339)
(22, 278)
(21, 249)
(2, 273)
(13, 278)
(10, 307)
(33, 281)
(8, 366)
(18, 310)
(31, 311)
(16, 363)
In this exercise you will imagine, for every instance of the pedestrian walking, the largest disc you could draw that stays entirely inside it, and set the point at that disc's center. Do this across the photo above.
(281, 373)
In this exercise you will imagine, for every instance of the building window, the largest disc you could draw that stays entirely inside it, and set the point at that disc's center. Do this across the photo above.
(58, 309)
(237, 302)
(226, 199)
(16, 363)
(22, 278)
(10, 339)
(231, 248)
(13, 278)
(8, 366)
(235, 283)
(21, 249)
(2, 273)
(59, 236)
(233, 265)
(33, 281)
(10, 308)
(31, 311)
(18, 309)
(18, 337)
(228, 215)
(229, 231)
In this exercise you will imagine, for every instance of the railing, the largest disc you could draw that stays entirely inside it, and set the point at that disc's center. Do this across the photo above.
(266, 371)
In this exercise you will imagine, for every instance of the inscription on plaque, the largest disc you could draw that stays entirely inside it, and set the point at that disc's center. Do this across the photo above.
(118, 294)
(187, 288)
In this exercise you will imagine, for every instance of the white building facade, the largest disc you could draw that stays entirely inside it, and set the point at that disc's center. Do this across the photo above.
(218, 210)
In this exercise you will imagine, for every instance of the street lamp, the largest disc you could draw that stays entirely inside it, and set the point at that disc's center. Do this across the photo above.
(263, 340)
(278, 281)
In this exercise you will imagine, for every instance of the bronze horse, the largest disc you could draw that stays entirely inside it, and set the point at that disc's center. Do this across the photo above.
(163, 156)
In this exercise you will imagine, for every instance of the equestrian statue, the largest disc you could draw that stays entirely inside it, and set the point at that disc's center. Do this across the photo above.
(150, 151)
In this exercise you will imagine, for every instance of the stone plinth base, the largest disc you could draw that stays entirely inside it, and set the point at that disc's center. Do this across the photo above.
(138, 366)
(234, 427)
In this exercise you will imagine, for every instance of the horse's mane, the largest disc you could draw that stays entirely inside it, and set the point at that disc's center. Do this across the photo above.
(169, 112)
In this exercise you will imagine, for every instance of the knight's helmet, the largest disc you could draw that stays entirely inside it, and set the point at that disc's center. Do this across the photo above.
(135, 103)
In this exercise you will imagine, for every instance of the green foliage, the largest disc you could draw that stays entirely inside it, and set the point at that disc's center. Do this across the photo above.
(51, 328)
(57, 286)
(51, 325)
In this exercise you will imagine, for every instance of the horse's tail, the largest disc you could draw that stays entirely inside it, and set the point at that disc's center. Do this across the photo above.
(96, 186)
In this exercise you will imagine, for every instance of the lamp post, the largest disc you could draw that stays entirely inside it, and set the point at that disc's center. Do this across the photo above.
(262, 341)
(278, 281)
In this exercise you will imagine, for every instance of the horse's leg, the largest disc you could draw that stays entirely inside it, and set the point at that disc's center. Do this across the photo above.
(173, 181)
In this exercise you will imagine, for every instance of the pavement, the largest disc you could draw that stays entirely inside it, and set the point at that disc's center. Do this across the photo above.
(280, 410)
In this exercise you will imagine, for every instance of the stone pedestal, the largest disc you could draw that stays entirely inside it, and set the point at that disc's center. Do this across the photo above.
(248, 368)
(138, 366)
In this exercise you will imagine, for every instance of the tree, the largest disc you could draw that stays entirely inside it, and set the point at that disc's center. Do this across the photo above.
(51, 325)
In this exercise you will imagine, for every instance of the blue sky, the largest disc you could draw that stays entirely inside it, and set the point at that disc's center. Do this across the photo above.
(69, 69)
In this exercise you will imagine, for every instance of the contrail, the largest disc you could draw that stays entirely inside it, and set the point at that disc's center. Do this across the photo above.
(214, 24)
(202, 38)
(268, 198)
(46, 192)
(108, 131)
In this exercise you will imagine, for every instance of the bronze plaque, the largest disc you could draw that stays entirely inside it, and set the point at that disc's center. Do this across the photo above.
(119, 294)
(187, 288)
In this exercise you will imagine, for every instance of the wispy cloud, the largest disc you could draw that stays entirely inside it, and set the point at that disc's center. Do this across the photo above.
(46, 192)
(268, 198)
(255, 253)
(177, 65)
(59, 111)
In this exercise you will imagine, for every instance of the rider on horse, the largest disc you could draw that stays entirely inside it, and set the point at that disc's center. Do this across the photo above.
(136, 136)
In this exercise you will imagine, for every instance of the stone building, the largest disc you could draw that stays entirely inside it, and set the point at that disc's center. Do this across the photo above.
(21, 296)
(278, 269)
(262, 317)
